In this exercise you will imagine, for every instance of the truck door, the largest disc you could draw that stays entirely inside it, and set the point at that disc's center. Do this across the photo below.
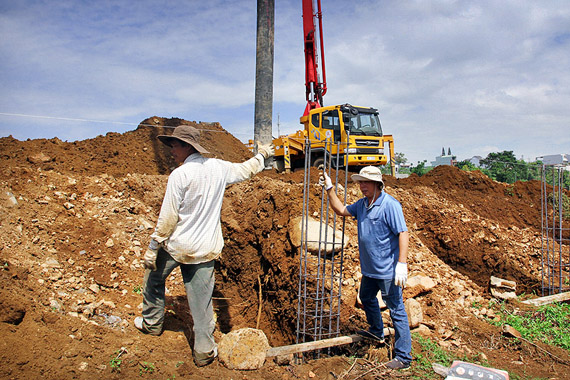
(331, 122)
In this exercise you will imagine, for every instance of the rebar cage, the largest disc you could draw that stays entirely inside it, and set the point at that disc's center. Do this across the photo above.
(320, 269)
(555, 223)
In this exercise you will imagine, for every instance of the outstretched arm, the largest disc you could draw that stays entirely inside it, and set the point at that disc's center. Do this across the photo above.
(247, 169)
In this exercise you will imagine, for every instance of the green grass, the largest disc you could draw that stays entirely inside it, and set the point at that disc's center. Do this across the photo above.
(146, 367)
(429, 353)
(549, 324)
(116, 360)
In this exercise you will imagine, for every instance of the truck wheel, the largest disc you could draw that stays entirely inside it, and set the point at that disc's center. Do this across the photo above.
(279, 164)
(318, 162)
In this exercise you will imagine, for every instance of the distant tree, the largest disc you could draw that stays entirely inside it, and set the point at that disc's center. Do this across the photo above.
(534, 170)
(466, 165)
(420, 169)
(504, 167)
(399, 158)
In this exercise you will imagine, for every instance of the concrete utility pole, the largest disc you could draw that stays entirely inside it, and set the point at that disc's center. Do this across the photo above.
(264, 72)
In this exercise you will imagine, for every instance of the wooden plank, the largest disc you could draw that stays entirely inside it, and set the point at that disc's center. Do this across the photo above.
(318, 344)
(548, 299)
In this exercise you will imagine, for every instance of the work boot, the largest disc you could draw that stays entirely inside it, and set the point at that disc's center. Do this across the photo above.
(370, 336)
(145, 328)
(397, 365)
(204, 358)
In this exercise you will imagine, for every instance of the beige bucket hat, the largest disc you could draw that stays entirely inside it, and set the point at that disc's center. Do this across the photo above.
(368, 173)
(186, 133)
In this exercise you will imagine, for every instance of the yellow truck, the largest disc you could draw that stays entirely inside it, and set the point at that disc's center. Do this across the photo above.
(352, 135)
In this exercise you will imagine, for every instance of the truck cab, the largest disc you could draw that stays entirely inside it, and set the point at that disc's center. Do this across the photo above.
(352, 133)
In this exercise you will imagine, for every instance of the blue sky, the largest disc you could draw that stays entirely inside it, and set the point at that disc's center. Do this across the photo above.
(476, 77)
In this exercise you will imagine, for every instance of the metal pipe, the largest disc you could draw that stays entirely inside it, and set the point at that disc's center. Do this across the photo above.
(302, 256)
(320, 286)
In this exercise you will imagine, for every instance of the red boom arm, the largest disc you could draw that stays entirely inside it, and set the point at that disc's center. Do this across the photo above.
(314, 88)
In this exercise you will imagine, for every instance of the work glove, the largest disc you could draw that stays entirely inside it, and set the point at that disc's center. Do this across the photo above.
(401, 274)
(325, 181)
(266, 150)
(149, 259)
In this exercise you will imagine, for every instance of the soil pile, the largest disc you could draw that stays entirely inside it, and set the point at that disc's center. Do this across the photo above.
(116, 154)
(76, 218)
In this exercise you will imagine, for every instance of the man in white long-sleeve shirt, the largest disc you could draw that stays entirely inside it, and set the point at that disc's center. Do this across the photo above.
(189, 234)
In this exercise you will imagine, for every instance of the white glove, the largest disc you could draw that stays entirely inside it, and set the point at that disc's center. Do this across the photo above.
(149, 259)
(401, 274)
(325, 181)
(266, 150)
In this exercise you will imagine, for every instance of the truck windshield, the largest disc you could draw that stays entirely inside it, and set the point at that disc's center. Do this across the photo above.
(367, 124)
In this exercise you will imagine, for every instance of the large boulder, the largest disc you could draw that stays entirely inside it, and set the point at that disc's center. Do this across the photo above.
(415, 312)
(503, 289)
(417, 285)
(243, 349)
(329, 238)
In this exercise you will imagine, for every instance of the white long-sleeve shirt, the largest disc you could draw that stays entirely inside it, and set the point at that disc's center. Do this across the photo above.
(189, 221)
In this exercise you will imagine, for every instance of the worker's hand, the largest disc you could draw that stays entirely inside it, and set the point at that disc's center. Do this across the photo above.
(266, 150)
(149, 259)
(401, 274)
(325, 181)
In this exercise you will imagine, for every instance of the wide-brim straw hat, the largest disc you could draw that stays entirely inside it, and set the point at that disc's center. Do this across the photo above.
(368, 173)
(186, 133)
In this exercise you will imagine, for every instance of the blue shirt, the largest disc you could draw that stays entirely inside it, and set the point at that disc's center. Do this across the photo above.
(378, 230)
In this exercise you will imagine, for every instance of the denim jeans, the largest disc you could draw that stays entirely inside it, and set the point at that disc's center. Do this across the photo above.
(199, 285)
(392, 296)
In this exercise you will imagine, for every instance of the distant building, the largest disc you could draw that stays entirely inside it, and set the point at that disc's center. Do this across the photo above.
(402, 166)
(476, 161)
(555, 159)
(444, 159)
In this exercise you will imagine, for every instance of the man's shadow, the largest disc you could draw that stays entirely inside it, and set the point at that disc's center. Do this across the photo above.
(178, 316)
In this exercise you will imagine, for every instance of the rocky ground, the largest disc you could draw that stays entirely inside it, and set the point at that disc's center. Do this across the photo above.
(76, 217)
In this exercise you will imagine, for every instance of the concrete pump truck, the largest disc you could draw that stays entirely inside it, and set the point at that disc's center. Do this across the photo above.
(352, 134)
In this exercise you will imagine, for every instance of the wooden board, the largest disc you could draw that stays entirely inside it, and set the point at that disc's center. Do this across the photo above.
(318, 344)
(548, 299)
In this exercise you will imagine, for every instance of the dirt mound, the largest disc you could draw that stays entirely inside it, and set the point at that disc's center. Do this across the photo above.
(76, 217)
(478, 226)
(117, 155)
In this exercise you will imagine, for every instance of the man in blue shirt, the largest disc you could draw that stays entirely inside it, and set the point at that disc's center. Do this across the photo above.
(383, 245)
